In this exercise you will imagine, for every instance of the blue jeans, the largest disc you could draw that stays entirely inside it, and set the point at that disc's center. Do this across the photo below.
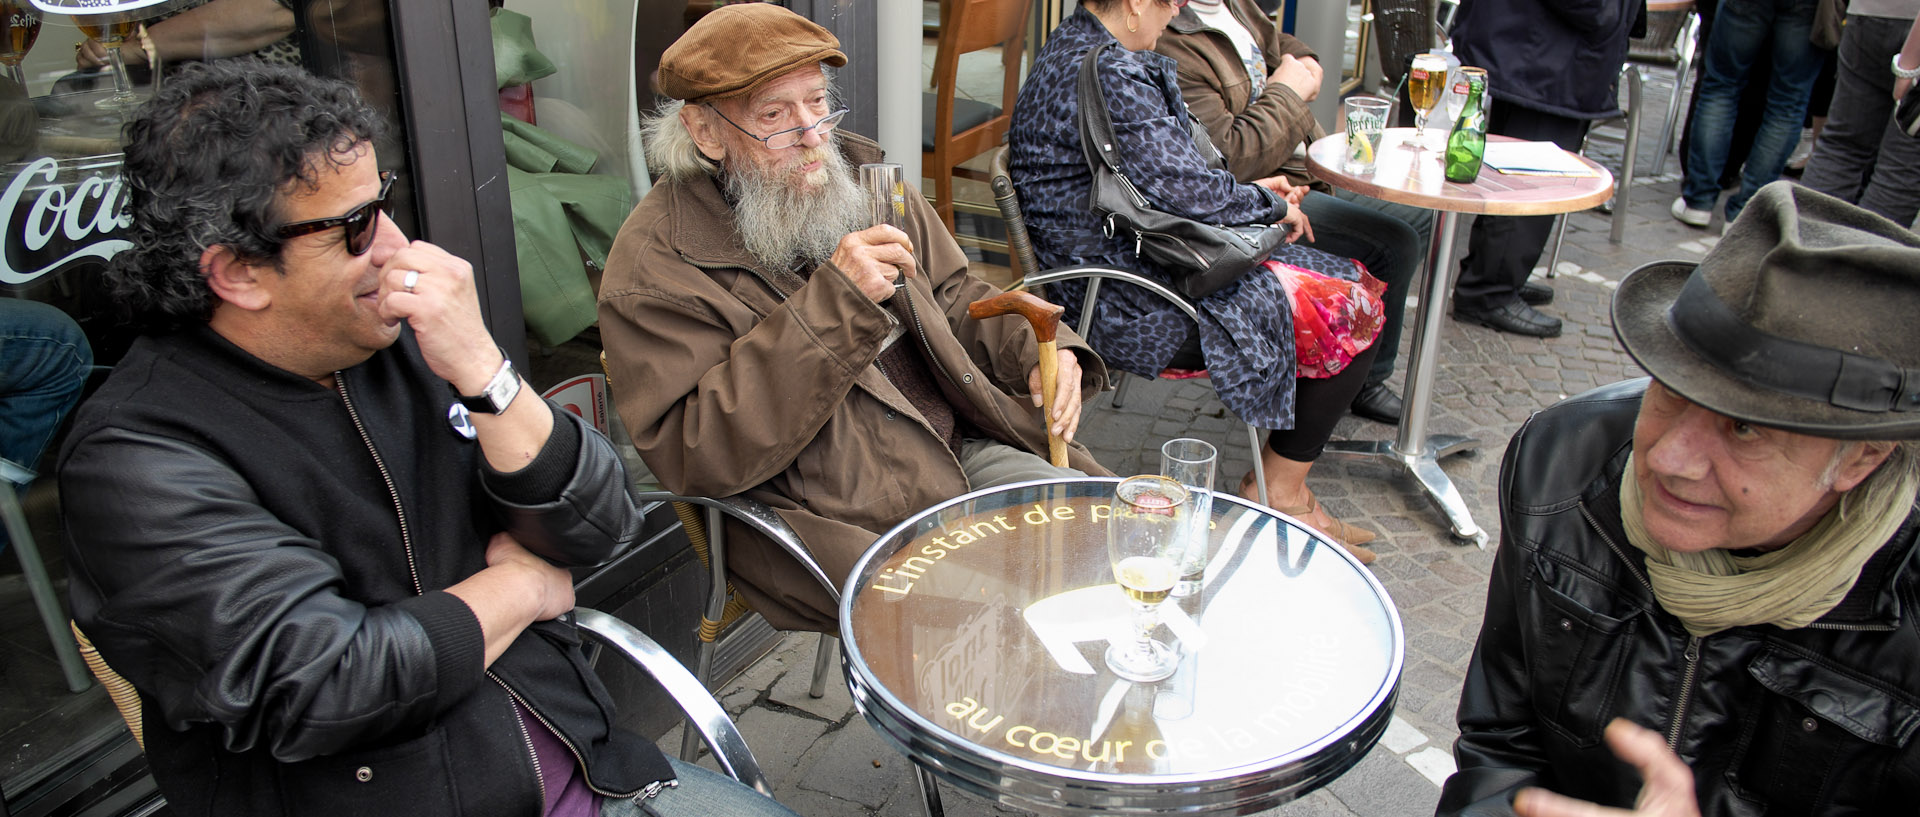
(701, 793)
(44, 360)
(1863, 156)
(1745, 31)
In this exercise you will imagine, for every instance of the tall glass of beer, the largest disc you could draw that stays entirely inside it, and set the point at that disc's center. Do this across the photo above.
(112, 31)
(1425, 80)
(19, 27)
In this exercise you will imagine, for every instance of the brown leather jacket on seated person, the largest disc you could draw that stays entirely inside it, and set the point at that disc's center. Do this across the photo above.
(1257, 136)
(730, 384)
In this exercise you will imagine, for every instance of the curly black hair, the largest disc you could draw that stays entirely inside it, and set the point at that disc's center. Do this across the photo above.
(207, 160)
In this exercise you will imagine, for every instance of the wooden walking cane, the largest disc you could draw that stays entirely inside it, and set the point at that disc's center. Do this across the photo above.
(1045, 320)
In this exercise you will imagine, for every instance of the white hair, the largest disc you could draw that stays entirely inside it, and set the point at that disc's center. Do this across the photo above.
(670, 148)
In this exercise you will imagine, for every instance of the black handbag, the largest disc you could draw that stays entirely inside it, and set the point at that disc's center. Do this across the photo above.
(1204, 257)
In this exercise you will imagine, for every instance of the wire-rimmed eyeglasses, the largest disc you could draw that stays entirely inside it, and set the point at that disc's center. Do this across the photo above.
(791, 136)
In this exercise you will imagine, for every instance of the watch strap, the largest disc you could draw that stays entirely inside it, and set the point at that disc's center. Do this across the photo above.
(499, 392)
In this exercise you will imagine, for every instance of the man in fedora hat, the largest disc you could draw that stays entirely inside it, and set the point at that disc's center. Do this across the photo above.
(781, 345)
(1702, 600)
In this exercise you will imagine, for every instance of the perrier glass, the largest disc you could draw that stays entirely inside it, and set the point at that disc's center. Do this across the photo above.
(1467, 146)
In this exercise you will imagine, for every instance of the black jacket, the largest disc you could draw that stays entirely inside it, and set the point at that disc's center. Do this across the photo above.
(1818, 720)
(265, 559)
(1562, 57)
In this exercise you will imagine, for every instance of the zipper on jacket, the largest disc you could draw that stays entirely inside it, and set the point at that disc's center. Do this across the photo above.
(526, 739)
(406, 536)
(1685, 698)
(1617, 551)
(920, 329)
(579, 761)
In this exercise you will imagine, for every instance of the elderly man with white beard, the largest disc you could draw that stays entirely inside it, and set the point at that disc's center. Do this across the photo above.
(765, 339)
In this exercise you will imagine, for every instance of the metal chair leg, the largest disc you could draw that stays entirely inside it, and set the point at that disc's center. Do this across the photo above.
(1559, 237)
(929, 792)
(45, 600)
(1259, 468)
(1629, 160)
(823, 664)
(1120, 388)
(716, 611)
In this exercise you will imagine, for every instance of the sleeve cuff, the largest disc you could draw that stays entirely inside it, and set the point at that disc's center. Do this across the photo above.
(551, 469)
(459, 647)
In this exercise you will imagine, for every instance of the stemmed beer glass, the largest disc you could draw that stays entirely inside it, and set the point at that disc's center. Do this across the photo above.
(1426, 78)
(19, 27)
(112, 31)
(1145, 542)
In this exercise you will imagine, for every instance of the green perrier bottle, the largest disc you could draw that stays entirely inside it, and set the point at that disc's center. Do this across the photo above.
(1467, 146)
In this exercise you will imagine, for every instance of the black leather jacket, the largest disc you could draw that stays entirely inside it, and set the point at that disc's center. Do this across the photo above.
(1818, 720)
(265, 559)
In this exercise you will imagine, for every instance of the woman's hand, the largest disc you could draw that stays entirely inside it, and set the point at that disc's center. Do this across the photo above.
(1285, 189)
(1296, 219)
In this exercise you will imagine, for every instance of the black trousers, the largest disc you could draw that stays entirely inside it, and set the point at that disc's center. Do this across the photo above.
(1319, 403)
(1502, 250)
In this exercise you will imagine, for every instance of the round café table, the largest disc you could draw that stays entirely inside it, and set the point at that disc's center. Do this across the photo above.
(974, 636)
(1406, 176)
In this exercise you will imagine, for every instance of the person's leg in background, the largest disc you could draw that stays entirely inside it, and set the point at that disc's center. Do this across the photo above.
(1392, 251)
(1844, 155)
(1502, 250)
(1319, 403)
(1796, 67)
(1818, 107)
(1741, 30)
(698, 792)
(44, 361)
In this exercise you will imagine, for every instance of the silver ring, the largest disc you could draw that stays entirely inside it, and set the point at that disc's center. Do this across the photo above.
(412, 277)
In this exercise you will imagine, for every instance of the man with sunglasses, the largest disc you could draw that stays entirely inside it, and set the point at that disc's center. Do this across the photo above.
(766, 338)
(315, 517)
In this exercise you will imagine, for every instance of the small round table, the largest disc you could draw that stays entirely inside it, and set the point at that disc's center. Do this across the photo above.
(974, 636)
(1406, 176)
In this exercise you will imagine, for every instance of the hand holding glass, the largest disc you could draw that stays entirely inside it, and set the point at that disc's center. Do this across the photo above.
(112, 31)
(1144, 535)
(886, 193)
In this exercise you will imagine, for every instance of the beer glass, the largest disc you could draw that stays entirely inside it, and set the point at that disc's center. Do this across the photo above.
(1144, 534)
(1190, 462)
(1425, 80)
(19, 27)
(112, 31)
(886, 193)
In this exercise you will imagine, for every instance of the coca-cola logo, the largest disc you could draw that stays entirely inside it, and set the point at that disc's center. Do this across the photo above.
(55, 217)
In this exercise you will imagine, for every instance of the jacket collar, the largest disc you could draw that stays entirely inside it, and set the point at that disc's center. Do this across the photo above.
(704, 230)
(1873, 601)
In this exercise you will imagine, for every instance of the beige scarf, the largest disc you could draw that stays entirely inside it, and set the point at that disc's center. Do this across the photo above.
(1790, 587)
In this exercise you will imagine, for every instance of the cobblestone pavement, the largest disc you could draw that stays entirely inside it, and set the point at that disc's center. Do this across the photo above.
(824, 759)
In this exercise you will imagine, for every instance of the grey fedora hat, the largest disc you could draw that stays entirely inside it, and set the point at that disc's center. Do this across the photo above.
(1806, 316)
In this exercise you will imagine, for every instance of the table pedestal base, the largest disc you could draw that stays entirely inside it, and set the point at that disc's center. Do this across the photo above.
(1425, 469)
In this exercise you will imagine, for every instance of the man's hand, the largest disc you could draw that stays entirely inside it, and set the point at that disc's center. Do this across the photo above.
(551, 586)
(90, 54)
(874, 258)
(444, 310)
(1303, 76)
(1064, 419)
(1667, 792)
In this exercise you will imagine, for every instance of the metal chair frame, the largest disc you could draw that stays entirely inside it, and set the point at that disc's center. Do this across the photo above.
(1020, 249)
(705, 716)
(46, 600)
(1623, 181)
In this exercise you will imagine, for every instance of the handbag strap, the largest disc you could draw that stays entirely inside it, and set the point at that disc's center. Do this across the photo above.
(1096, 125)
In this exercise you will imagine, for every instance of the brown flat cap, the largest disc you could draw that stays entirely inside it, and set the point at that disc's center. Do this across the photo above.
(736, 47)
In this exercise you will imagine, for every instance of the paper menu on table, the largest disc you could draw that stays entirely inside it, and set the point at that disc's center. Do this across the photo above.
(1534, 159)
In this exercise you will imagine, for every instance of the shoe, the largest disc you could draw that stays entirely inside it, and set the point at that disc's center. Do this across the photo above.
(1378, 403)
(1514, 317)
(1688, 215)
(1536, 294)
(1349, 536)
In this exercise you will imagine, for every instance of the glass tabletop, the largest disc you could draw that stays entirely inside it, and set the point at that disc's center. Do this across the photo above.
(975, 635)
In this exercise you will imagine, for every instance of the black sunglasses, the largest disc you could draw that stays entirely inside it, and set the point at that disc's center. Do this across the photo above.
(360, 222)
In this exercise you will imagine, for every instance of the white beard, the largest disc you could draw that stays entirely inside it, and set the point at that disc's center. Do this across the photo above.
(783, 223)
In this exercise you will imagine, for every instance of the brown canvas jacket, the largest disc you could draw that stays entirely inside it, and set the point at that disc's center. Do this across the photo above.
(728, 387)
(1258, 137)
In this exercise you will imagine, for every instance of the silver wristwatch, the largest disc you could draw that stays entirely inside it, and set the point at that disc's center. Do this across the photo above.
(499, 392)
